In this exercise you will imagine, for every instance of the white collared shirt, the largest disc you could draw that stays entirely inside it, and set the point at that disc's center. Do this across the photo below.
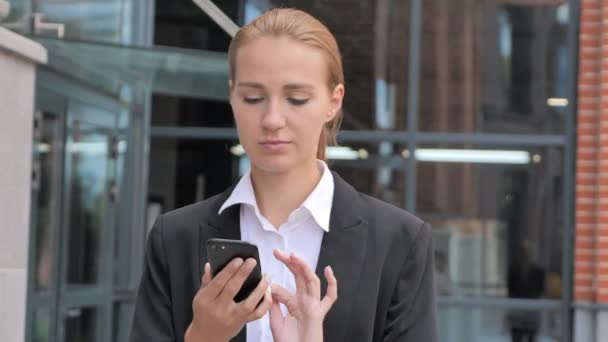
(301, 234)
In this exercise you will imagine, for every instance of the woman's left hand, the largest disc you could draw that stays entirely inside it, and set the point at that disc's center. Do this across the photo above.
(304, 322)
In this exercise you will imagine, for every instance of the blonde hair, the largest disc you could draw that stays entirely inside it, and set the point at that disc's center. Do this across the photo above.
(304, 28)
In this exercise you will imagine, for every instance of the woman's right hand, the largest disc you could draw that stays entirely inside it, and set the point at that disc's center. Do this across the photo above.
(216, 316)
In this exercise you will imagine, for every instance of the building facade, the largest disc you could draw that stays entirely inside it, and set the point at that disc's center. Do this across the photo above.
(481, 116)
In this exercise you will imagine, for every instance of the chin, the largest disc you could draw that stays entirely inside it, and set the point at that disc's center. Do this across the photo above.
(274, 164)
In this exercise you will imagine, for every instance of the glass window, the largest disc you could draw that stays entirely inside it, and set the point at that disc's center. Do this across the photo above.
(41, 325)
(491, 66)
(191, 112)
(184, 24)
(497, 219)
(88, 173)
(81, 325)
(48, 150)
(183, 171)
(474, 324)
(376, 169)
(19, 11)
(107, 21)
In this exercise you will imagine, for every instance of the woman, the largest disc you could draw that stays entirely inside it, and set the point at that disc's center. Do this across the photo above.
(373, 261)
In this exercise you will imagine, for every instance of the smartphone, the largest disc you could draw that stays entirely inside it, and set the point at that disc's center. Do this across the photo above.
(221, 251)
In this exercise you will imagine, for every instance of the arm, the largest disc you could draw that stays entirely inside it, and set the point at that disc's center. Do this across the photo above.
(152, 320)
(216, 317)
(411, 313)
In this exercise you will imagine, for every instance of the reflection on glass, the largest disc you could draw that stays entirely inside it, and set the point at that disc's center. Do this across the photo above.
(493, 66)
(183, 171)
(41, 325)
(92, 20)
(87, 153)
(497, 226)
(81, 325)
(121, 253)
(470, 324)
(17, 18)
(374, 169)
(48, 150)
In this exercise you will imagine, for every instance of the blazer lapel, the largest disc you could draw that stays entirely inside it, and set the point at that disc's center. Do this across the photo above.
(224, 226)
(344, 249)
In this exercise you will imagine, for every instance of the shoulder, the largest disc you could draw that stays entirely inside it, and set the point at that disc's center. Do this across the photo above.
(392, 221)
(382, 218)
(381, 210)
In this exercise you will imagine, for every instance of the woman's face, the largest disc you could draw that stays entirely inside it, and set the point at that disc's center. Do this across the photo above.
(281, 102)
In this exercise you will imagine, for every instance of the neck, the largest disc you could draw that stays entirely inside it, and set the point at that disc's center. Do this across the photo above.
(279, 194)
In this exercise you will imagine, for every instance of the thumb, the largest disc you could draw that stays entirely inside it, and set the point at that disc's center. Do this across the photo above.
(283, 296)
(206, 275)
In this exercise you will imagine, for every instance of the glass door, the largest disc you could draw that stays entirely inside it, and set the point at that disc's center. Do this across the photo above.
(88, 210)
(74, 195)
(47, 165)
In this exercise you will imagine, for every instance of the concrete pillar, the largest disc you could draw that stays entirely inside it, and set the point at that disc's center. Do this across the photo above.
(18, 59)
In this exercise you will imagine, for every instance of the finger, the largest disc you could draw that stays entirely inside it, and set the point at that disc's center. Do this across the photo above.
(332, 290)
(283, 296)
(217, 282)
(206, 275)
(263, 308)
(276, 317)
(251, 302)
(293, 268)
(233, 286)
(281, 256)
(313, 284)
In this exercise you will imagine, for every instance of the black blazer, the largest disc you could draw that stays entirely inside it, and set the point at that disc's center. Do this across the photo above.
(381, 256)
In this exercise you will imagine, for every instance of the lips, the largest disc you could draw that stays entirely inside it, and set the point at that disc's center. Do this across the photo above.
(274, 145)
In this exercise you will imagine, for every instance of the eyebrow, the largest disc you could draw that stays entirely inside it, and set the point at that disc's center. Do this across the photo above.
(250, 85)
(297, 86)
(290, 86)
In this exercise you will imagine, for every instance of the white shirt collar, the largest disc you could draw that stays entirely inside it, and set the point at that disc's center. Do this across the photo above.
(318, 203)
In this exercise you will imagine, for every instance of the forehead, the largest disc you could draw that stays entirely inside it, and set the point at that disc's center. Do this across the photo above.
(280, 60)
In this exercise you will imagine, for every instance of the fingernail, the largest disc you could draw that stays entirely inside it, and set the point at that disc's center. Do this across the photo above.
(330, 269)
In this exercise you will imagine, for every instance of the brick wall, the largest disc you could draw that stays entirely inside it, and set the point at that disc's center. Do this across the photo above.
(591, 246)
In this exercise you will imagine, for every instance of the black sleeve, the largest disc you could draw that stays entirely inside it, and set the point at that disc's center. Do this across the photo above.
(152, 321)
(411, 314)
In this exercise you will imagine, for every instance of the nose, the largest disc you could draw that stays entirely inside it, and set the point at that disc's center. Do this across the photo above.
(274, 117)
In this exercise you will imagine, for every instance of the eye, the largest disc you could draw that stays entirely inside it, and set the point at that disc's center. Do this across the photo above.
(297, 101)
(253, 100)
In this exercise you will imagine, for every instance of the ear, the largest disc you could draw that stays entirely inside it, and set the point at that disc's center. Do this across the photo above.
(335, 102)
